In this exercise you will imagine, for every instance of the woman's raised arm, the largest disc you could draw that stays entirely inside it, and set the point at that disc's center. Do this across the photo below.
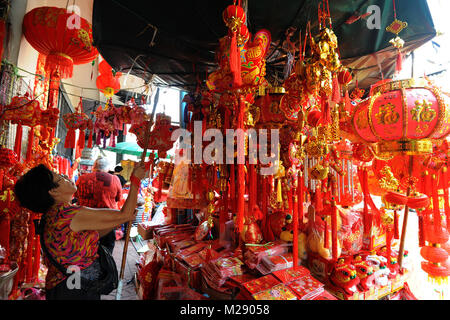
(101, 219)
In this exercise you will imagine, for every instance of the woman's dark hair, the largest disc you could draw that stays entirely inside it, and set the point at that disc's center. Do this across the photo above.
(118, 169)
(32, 189)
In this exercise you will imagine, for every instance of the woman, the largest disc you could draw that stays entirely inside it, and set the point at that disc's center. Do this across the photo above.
(71, 233)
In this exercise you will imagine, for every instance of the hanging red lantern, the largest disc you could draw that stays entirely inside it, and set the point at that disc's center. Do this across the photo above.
(437, 264)
(344, 77)
(108, 81)
(402, 117)
(50, 32)
(234, 16)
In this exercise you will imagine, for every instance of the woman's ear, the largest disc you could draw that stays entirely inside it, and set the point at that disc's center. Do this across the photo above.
(53, 192)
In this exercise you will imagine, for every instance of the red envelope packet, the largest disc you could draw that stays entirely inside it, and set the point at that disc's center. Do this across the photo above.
(194, 261)
(289, 275)
(279, 292)
(325, 295)
(307, 287)
(261, 284)
(190, 250)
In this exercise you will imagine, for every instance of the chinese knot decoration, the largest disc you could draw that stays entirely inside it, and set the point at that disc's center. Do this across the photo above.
(74, 121)
(241, 61)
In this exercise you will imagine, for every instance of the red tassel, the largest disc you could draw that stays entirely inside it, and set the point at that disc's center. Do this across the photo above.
(223, 217)
(2, 174)
(18, 141)
(81, 139)
(30, 144)
(240, 172)
(5, 229)
(29, 255)
(69, 143)
(348, 104)
(336, 95)
(326, 239)
(446, 196)
(235, 61)
(388, 245)
(300, 199)
(326, 114)
(295, 225)
(90, 145)
(318, 200)
(232, 183)
(399, 62)
(334, 239)
(421, 231)
(77, 151)
(436, 211)
(396, 228)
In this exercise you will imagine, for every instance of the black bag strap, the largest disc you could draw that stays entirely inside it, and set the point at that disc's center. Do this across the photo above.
(39, 227)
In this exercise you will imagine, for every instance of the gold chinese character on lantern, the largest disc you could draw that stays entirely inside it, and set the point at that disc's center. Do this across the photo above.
(387, 114)
(423, 111)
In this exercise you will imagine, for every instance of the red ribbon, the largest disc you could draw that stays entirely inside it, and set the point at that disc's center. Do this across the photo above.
(295, 239)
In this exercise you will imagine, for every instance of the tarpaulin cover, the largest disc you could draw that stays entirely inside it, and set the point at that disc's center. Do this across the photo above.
(176, 40)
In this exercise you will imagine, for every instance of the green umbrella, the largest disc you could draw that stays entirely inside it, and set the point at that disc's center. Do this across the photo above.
(131, 148)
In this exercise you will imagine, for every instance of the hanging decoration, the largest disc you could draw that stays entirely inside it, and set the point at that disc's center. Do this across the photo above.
(396, 27)
(48, 31)
(108, 81)
(76, 121)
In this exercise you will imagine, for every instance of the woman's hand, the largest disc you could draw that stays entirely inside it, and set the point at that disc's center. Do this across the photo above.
(139, 171)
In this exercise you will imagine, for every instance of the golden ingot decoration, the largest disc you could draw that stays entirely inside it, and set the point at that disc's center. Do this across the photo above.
(388, 181)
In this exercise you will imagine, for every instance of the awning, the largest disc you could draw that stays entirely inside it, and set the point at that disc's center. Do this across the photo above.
(176, 40)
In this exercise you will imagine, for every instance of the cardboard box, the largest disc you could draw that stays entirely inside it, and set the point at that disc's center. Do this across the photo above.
(191, 277)
(319, 267)
(145, 230)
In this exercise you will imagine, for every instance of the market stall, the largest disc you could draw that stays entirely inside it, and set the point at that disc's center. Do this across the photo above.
(321, 153)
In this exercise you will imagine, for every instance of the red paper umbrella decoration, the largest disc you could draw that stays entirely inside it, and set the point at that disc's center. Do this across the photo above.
(108, 81)
(64, 37)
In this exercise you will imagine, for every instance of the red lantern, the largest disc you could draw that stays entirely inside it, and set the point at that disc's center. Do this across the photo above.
(108, 82)
(437, 264)
(402, 117)
(50, 32)
(344, 77)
